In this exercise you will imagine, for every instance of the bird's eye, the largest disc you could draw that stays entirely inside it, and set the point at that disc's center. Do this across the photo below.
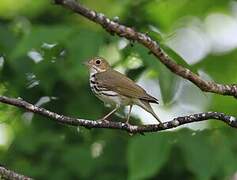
(97, 61)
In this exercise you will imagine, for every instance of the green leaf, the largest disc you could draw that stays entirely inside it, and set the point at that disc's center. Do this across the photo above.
(165, 13)
(206, 153)
(81, 158)
(222, 69)
(147, 154)
(9, 8)
(167, 82)
(7, 39)
(136, 72)
(177, 58)
(40, 35)
(199, 155)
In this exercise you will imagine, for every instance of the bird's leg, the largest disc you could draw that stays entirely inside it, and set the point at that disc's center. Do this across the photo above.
(129, 112)
(110, 113)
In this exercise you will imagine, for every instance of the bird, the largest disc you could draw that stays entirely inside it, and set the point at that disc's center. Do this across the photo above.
(116, 89)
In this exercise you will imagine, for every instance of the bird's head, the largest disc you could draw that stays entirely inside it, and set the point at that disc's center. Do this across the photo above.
(97, 64)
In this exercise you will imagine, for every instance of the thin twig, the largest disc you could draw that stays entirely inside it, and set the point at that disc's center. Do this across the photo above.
(133, 35)
(230, 120)
(11, 175)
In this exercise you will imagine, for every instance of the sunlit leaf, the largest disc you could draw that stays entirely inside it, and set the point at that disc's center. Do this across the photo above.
(147, 154)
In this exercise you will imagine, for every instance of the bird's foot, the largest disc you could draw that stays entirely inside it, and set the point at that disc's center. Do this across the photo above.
(103, 120)
(127, 123)
(161, 125)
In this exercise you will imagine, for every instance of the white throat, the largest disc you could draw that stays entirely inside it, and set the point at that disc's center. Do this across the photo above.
(94, 70)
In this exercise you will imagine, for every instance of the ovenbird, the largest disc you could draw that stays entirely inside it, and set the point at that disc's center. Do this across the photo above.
(116, 89)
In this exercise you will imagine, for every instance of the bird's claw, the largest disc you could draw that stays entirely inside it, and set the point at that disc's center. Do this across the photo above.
(161, 125)
(127, 123)
(103, 120)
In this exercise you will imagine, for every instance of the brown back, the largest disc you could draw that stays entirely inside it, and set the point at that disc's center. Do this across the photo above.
(117, 82)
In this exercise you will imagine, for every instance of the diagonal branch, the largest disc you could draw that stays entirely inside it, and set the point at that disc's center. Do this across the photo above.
(133, 35)
(230, 120)
(11, 175)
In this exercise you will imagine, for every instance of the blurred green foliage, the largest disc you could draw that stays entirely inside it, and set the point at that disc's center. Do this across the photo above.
(43, 47)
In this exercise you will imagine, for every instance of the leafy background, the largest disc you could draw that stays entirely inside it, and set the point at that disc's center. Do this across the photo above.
(42, 47)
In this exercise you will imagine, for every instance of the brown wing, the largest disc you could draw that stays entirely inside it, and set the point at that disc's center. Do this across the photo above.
(121, 84)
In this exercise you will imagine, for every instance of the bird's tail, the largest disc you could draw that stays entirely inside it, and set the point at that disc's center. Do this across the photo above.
(146, 106)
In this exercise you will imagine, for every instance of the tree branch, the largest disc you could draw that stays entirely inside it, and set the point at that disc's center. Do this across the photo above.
(133, 35)
(230, 120)
(11, 175)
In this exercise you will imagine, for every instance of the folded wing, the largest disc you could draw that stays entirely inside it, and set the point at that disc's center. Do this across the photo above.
(117, 82)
